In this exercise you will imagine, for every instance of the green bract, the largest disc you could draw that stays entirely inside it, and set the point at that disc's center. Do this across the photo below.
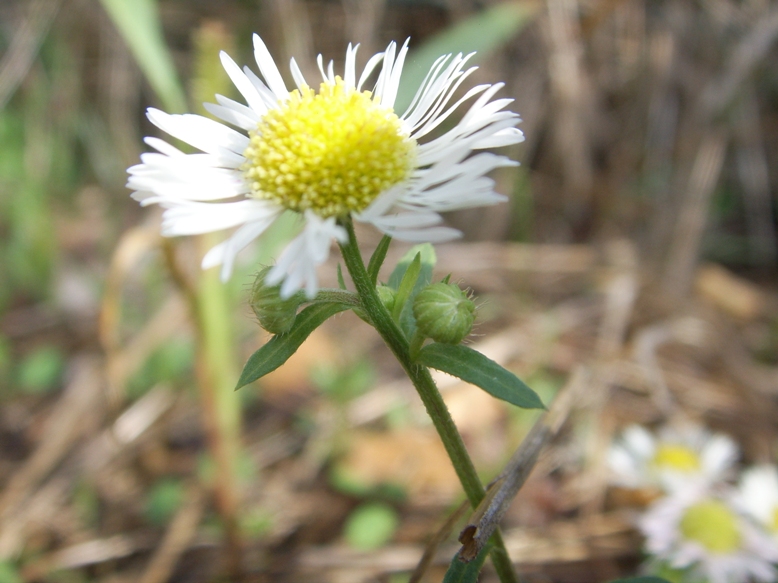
(444, 313)
(275, 315)
(387, 296)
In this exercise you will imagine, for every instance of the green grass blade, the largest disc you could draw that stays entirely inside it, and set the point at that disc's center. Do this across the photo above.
(139, 24)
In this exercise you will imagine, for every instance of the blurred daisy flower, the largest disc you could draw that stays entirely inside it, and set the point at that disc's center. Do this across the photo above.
(704, 535)
(757, 496)
(326, 151)
(678, 457)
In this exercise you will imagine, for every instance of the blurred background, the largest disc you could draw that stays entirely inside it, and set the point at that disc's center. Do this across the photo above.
(639, 246)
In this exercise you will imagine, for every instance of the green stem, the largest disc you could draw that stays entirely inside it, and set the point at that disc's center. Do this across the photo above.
(428, 391)
(338, 296)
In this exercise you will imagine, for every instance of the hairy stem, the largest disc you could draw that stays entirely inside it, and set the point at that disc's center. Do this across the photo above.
(428, 391)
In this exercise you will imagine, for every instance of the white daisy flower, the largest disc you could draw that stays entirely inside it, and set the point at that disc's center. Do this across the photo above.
(679, 457)
(705, 534)
(328, 153)
(757, 496)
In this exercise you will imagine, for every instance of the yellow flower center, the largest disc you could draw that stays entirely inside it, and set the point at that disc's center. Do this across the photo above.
(332, 152)
(712, 524)
(670, 456)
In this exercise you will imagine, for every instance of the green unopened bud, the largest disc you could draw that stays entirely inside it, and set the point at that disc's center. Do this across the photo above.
(444, 313)
(275, 315)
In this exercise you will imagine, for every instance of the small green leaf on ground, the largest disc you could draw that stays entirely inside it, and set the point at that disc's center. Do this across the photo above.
(9, 573)
(163, 501)
(371, 526)
(473, 367)
(41, 370)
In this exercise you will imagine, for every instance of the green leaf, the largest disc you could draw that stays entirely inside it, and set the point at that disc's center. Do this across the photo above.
(280, 347)
(473, 367)
(41, 370)
(428, 260)
(341, 281)
(9, 573)
(139, 24)
(406, 286)
(377, 259)
(485, 32)
(371, 526)
(648, 579)
(461, 572)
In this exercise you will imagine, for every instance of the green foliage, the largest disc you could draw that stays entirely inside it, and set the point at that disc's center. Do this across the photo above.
(87, 503)
(344, 384)
(406, 286)
(461, 572)
(5, 361)
(371, 526)
(377, 259)
(163, 500)
(41, 370)
(9, 573)
(647, 579)
(172, 363)
(255, 522)
(278, 350)
(473, 367)
(427, 260)
(138, 23)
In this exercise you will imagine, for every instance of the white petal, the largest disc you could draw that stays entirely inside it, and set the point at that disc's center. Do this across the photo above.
(639, 441)
(270, 99)
(297, 74)
(163, 147)
(393, 81)
(269, 70)
(203, 133)
(350, 71)
(506, 137)
(243, 84)
(230, 116)
(296, 266)
(718, 454)
(224, 253)
(372, 63)
(433, 235)
(195, 218)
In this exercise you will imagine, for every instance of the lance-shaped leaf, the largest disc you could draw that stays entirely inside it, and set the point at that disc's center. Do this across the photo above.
(280, 347)
(427, 258)
(473, 367)
(377, 259)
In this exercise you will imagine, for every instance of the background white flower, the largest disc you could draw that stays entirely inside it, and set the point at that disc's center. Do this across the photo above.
(758, 496)
(339, 151)
(678, 457)
(704, 532)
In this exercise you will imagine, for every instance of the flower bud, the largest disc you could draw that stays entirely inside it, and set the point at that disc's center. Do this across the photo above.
(444, 313)
(275, 315)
